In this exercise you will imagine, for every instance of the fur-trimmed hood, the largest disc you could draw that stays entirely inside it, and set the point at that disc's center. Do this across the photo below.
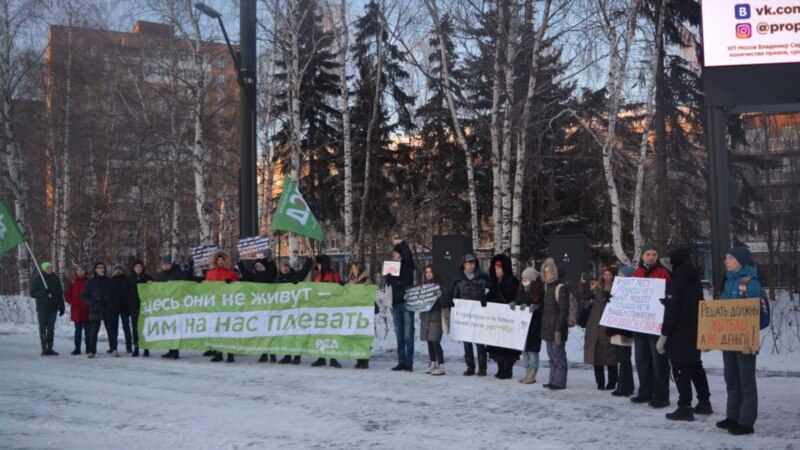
(505, 262)
(224, 254)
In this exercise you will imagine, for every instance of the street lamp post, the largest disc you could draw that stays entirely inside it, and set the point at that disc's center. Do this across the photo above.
(245, 66)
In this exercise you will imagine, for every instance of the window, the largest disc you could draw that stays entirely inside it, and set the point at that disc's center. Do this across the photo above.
(222, 62)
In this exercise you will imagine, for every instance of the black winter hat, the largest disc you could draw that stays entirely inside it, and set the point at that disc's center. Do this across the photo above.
(137, 262)
(648, 246)
(680, 256)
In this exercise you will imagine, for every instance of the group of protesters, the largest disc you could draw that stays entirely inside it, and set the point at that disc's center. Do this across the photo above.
(543, 293)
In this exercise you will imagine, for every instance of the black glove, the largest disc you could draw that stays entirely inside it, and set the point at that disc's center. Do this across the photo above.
(61, 310)
(199, 280)
(483, 303)
(228, 281)
(512, 305)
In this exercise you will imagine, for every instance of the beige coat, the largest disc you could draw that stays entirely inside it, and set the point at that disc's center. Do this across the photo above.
(597, 348)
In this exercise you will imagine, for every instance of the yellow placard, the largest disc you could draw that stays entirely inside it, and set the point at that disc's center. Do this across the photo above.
(728, 324)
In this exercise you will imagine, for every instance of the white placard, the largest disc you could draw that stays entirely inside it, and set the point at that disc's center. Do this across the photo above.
(391, 268)
(742, 32)
(636, 305)
(252, 247)
(201, 255)
(496, 324)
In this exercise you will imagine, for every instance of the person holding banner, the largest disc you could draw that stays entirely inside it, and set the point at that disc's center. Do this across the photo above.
(264, 271)
(504, 290)
(431, 329)
(741, 281)
(359, 275)
(171, 272)
(679, 336)
(325, 274)
(289, 275)
(49, 294)
(78, 311)
(555, 309)
(403, 318)
(651, 366)
(97, 294)
(470, 283)
(530, 295)
(222, 271)
(138, 276)
(597, 348)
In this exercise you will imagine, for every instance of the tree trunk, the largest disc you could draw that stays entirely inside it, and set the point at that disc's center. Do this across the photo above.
(522, 144)
(348, 150)
(373, 122)
(616, 78)
(508, 116)
(200, 154)
(662, 182)
(462, 141)
(63, 205)
(638, 194)
(497, 205)
(294, 86)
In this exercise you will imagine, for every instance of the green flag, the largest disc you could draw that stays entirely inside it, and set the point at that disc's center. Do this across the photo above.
(293, 213)
(10, 236)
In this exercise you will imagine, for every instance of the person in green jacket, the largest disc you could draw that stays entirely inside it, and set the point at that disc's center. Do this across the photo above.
(49, 301)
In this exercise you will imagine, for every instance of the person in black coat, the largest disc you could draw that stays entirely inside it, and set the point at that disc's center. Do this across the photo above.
(264, 271)
(172, 272)
(403, 318)
(49, 294)
(120, 293)
(289, 275)
(470, 283)
(138, 276)
(97, 293)
(679, 336)
(504, 289)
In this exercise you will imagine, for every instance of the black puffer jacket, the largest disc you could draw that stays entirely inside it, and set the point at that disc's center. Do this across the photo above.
(97, 294)
(120, 292)
(134, 302)
(684, 293)
(466, 288)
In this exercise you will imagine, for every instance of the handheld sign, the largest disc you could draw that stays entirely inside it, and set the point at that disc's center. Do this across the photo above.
(421, 298)
(201, 255)
(496, 324)
(636, 305)
(391, 268)
(729, 324)
(252, 247)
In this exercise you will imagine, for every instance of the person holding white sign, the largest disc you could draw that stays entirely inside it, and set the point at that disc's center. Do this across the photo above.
(503, 290)
(555, 309)
(430, 325)
(651, 366)
(403, 318)
(470, 283)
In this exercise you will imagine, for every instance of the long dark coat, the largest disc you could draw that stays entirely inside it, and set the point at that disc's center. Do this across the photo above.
(597, 348)
(532, 296)
(684, 294)
(502, 291)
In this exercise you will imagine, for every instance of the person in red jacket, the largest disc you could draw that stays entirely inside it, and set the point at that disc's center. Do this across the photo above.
(79, 312)
(325, 274)
(651, 366)
(222, 271)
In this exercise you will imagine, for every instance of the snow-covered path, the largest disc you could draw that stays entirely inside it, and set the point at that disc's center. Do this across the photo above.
(70, 402)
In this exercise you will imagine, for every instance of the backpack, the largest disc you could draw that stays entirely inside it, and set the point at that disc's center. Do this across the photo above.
(572, 316)
(766, 308)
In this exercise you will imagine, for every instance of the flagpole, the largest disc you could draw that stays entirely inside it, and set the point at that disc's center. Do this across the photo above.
(36, 263)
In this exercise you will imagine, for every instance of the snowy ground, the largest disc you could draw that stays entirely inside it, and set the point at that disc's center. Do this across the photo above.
(70, 402)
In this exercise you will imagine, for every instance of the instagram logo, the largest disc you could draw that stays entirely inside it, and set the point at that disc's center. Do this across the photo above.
(744, 31)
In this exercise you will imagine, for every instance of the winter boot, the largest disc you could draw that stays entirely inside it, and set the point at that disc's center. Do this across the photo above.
(726, 424)
(703, 408)
(430, 368)
(146, 353)
(263, 358)
(438, 369)
(217, 357)
(230, 358)
(77, 351)
(135, 353)
(90, 355)
(128, 347)
(172, 354)
(739, 430)
(508, 368)
(682, 413)
(318, 363)
(273, 358)
(109, 351)
(209, 353)
(285, 360)
(399, 367)
(481, 366)
(524, 377)
(335, 364)
(530, 377)
(296, 360)
(115, 354)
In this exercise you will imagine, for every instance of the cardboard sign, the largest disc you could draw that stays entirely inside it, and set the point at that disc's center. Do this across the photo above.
(728, 324)
(391, 268)
(202, 255)
(636, 305)
(496, 324)
(252, 247)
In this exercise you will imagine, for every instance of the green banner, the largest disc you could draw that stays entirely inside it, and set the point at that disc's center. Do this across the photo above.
(323, 320)
(293, 213)
(10, 235)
